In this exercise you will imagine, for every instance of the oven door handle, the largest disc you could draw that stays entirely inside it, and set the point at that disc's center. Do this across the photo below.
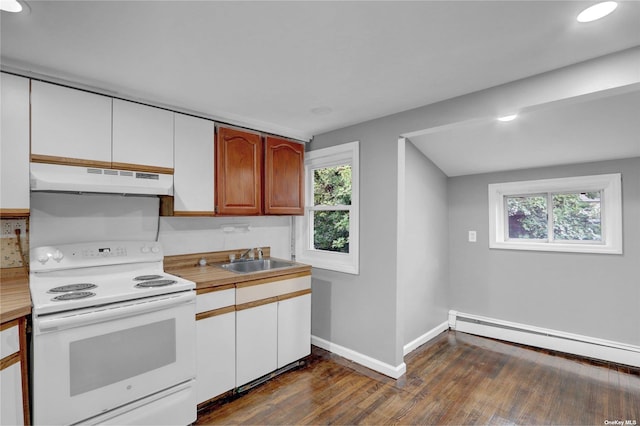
(113, 312)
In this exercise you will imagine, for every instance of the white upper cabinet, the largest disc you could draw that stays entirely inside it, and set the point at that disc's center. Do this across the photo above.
(193, 178)
(142, 136)
(14, 144)
(70, 124)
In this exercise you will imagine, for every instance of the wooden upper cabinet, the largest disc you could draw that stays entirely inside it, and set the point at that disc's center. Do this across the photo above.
(238, 172)
(284, 177)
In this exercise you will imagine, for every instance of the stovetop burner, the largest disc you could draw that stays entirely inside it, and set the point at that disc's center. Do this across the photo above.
(72, 287)
(147, 277)
(73, 296)
(155, 283)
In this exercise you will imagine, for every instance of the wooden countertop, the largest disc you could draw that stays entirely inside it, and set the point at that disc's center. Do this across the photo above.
(212, 275)
(15, 299)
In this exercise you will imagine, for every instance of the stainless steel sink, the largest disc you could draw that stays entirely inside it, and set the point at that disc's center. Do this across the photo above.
(246, 266)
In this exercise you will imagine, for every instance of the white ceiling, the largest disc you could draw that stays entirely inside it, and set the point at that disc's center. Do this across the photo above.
(564, 132)
(268, 64)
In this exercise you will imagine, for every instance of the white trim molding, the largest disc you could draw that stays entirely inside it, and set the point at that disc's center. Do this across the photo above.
(394, 372)
(421, 340)
(348, 153)
(561, 341)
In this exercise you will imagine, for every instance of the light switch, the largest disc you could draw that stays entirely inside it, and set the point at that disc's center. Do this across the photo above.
(472, 236)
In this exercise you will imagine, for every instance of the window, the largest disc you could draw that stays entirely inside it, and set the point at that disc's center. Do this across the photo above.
(577, 214)
(327, 234)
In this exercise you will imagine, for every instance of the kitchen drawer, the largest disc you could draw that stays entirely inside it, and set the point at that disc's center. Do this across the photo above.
(215, 300)
(10, 340)
(249, 292)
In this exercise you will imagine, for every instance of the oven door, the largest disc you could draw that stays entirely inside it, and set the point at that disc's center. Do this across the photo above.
(89, 362)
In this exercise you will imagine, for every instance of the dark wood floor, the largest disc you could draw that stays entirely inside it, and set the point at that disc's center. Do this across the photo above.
(454, 379)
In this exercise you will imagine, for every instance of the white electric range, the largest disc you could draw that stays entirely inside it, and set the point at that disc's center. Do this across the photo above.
(113, 336)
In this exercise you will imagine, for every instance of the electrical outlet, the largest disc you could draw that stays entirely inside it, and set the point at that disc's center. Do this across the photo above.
(9, 227)
(472, 236)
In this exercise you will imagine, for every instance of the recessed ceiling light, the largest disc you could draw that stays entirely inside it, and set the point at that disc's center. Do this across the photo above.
(509, 117)
(10, 6)
(597, 11)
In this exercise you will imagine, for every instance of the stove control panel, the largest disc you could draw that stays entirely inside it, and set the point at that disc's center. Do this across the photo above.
(66, 256)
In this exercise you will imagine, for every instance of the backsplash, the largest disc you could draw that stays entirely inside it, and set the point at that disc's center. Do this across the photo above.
(59, 218)
(14, 248)
(209, 234)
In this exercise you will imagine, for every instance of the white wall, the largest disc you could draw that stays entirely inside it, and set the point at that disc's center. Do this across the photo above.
(59, 218)
(196, 235)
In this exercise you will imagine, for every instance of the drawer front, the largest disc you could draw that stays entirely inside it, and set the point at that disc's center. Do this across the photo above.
(271, 289)
(10, 341)
(215, 300)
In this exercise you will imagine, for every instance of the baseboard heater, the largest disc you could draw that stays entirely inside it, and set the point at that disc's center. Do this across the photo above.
(576, 344)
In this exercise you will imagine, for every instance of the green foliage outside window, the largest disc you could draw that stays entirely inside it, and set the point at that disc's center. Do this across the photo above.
(331, 187)
(576, 216)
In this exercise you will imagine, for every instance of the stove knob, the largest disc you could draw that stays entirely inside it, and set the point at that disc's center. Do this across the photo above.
(145, 249)
(57, 255)
(43, 258)
(155, 249)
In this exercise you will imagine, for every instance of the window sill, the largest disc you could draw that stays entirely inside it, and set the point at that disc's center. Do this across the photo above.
(557, 247)
(347, 267)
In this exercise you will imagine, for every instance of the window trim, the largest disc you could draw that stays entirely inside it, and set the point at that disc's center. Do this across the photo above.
(611, 205)
(347, 153)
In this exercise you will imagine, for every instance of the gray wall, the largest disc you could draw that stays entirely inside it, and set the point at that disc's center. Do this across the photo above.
(422, 248)
(596, 295)
(364, 313)
(359, 312)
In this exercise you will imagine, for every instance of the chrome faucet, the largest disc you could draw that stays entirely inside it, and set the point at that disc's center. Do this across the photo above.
(249, 255)
(243, 256)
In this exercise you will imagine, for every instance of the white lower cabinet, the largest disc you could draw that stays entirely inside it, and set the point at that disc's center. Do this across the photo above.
(273, 325)
(216, 358)
(250, 331)
(256, 342)
(11, 388)
(13, 396)
(216, 344)
(294, 329)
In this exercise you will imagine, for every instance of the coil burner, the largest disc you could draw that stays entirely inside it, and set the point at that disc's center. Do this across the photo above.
(72, 287)
(155, 283)
(73, 296)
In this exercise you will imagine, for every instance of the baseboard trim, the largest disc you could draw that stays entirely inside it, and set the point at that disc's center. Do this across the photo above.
(421, 340)
(365, 360)
(561, 341)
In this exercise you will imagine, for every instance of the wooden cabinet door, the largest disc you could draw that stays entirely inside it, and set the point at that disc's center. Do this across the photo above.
(14, 146)
(238, 172)
(284, 177)
(193, 177)
(142, 137)
(70, 126)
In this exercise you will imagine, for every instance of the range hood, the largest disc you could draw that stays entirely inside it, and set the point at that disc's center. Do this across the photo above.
(55, 177)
